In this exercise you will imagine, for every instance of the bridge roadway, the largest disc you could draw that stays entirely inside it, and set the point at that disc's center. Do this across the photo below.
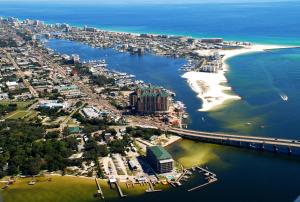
(280, 145)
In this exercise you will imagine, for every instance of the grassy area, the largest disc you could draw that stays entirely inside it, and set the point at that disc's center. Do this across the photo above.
(71, 122)
(30, 115)
(59, 189)
(21, 109)
(21, 105)
(139, 149)
(64, 189)
(17, 114)
(21, 114)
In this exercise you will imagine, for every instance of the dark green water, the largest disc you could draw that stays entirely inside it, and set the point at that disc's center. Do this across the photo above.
(260, 79)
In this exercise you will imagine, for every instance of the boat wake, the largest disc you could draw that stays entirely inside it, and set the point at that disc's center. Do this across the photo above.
(284, 97)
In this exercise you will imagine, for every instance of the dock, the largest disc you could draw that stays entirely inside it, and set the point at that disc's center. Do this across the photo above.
(120, 190)
(181, 176)
(99, 190)
(211, 180)
(209, 176)
(151, 188)
(206, 171)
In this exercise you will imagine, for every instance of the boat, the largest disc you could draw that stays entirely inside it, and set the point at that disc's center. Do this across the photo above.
(284, 97)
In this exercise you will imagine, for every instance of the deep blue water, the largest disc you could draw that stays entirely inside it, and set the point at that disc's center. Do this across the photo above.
(258, 22)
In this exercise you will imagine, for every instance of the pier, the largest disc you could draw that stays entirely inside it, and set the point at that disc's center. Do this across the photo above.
(119, 189)
(209, 176)
(115, 181)
(203, 185)
(99, 190)
(151, 188)
(181, 176)
(276, 145)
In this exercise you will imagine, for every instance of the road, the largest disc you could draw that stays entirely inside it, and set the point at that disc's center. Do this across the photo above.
(20, 74)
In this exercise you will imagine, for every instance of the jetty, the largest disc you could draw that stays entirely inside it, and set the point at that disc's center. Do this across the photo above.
(209, 176)
(99, 190)
(120, 190)
(203, 185)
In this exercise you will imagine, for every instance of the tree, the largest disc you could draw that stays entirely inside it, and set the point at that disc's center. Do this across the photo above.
(117, 146)
(112, 131)
(93, 150)
(72, 143)
(66, 132)
(24, 153)
(52, 135)
(32, 166)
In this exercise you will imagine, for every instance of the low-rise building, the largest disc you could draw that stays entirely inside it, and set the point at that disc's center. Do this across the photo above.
(12, 85)
(3, 96)
(50, 104)
(91, 112)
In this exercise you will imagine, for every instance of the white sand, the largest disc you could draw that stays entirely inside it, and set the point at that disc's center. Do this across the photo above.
(209, 86)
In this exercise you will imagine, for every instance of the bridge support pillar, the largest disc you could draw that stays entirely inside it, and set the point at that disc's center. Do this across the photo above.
(275, 149)
(262, 147)
(289, 151)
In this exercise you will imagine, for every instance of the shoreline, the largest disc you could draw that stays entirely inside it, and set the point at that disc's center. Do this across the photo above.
(136, 32)
(210, 86)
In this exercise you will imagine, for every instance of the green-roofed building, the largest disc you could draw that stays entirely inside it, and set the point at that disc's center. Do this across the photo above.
(159, 159)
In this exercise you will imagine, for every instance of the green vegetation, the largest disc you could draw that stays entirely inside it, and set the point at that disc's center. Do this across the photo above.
(118, 105)
(21, 105)
(16, 110)
(53, 113)
(52, 135)
(18, 91)
(5, 109)
(59, 189)
(90, 126)
(119, 145)
(93, 150)
(24, 150)
(144, 133)
(102, 80)
(21, 114)
(64, 189)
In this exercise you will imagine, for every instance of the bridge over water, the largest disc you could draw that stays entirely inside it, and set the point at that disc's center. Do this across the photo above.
(277, 145)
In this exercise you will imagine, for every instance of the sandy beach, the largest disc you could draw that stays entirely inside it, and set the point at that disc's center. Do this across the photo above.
(210, 86)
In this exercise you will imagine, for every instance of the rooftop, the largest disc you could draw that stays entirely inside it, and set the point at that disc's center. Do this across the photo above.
(160, 153)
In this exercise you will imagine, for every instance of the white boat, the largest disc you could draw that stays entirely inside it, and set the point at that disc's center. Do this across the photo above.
(284, 97)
